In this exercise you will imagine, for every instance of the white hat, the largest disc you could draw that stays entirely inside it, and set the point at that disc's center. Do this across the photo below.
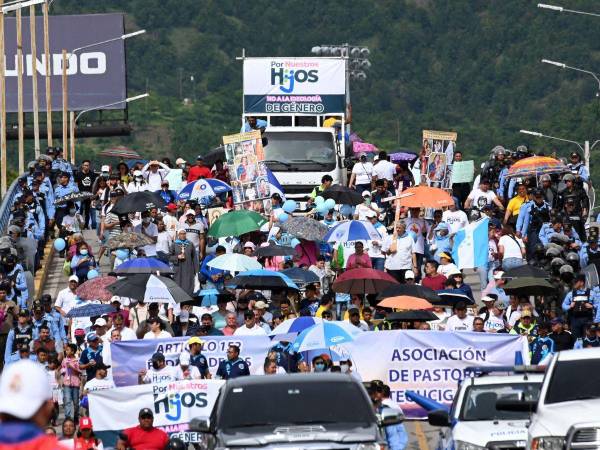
(260, 305)
(487, 298)
(366, 194)
(454, 272)
(74, 278)
(180, 161)
(105, 168)
(184, 359)
(376, 158)
(409, 275)
(23, 388)
(250, 244)
(137, 173)
(370, 214)
(100, 322)
(498, 275)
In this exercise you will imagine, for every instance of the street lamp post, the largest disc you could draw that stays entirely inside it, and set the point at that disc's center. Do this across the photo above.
(74, 119)
(577, 69)
(561, 9)
(65, 57)
(586, 148)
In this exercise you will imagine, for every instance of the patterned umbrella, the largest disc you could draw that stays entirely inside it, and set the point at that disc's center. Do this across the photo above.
(149, 288)
(119, 152)
(209, 187)
(352, 230)
(536, 166)
(91, 310)
(289, 329)
(305, 228)
(95, 289)
(128, 240)
(73, 197)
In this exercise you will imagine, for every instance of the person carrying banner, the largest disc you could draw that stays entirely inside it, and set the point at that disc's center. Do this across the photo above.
(145, 435)
(159, 373)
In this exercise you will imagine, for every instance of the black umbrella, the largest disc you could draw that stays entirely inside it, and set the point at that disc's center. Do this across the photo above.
(301, 276)
(343, 195)
(149, 288)
(413, 290)
(451, 297)
(138, 202)
(525, 270)
(73, 197)
(275, 250)
(529, 286)
(410, 316)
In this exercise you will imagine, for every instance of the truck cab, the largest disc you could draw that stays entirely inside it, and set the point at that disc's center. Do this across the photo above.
(300, 151)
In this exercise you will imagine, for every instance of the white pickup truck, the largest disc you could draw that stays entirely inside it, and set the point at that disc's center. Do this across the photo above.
(567, 414)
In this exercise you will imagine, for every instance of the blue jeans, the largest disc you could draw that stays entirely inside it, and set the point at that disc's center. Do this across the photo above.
(71, 401)
(378, 263)
(510, 263)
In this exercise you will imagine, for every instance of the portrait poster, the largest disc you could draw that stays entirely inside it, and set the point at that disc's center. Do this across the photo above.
(248, 172)
(437, 156)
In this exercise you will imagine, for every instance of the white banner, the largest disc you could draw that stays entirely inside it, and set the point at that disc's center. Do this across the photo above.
(431, 363)
(173, 404)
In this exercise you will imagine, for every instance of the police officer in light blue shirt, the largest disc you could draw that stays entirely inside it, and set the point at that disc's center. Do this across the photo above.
(63, 188)
(548, 229)
(233, 366)
(577, 168)
(590, 252)
(59, 163)
(15, 273)
(55, 320)
(579, 304)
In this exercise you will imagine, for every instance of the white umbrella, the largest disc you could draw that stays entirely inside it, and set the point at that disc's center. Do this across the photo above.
(234, 262)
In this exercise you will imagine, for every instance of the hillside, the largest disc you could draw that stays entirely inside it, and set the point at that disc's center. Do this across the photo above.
(469, 66)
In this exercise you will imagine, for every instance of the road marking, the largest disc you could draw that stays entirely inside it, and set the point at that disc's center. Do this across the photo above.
(422, 440)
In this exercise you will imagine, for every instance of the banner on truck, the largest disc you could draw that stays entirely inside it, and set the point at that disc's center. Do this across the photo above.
(294, 86)
(437, 156)
(174, 405)
(248, 172)
(430, 363)
(129, 357)
(96, 76)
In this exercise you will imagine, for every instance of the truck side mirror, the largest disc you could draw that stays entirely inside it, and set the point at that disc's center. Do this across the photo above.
(439, 418)
(390, 416)
(201, 425)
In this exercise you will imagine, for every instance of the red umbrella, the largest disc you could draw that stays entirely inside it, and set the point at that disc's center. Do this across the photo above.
(363, 281)
(95, 289)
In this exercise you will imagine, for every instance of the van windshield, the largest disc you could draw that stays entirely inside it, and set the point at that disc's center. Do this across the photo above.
(306, 150)
(291, 403)
(573, 380)
(480, 401)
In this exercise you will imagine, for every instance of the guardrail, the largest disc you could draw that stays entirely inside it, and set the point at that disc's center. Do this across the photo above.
(7, 202)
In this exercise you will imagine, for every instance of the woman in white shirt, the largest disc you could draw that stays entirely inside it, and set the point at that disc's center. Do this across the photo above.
(156, 331)
(511, 250)
(362, 174)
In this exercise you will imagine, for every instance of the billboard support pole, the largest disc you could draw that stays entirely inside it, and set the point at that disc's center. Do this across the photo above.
(48, 74)
(20, 92)
(72, 134)
(36, 120)
(3, 184)
(65, 131)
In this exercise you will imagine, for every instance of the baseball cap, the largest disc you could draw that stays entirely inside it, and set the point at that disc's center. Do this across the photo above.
(24, 312)
(100, 322)
(79, 332)
(369, 214)
(199, 158)
(171, 206)
(498, 275)
(91, 336)
(445, 255)
(74, 278)
(158, 357)
(526, 313)
(184, 359)
(137, 173)
(366, 194)
(180, 161)
(556, 320)
(409, 275)
(85, 423)
(102, 366)
(260, 305)
(538, 192)
(454, 272)
(195, 340)
(105, 168)
(250, 245)
(487, 298)
(501, 305)
(25, 383)
(146, 412)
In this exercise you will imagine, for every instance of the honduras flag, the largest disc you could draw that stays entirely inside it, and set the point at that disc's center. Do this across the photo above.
(275, 187)
(471, 245)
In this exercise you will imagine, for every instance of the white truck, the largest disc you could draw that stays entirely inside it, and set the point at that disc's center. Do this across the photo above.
(567, 414)
(474, 423)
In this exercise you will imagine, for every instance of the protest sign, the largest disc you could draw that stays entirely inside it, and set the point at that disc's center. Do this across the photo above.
(174, 405)
(430, 363)
(437, 154)
(129, 357)
(248, 172)
(174, 179)
(463, 171)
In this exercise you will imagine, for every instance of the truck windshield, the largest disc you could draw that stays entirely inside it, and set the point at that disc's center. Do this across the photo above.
(480, 401)
(306, 150)
(294, 404)
(572, 380)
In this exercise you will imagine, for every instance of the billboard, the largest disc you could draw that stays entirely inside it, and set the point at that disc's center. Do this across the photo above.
(294, 86)
(96, 76)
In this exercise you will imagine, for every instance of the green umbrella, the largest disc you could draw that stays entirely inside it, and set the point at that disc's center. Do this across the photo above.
(235, 223)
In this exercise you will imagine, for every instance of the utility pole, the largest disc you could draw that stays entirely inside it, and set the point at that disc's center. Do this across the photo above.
(65, 104)
(36, 122)
(48, 74)
(3, 186)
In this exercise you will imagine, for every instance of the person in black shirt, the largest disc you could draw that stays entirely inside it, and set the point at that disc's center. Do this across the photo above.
(563, 340)
(85, 178)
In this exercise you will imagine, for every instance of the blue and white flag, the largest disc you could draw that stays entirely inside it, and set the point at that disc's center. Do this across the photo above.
(275, 187)
(471, 245)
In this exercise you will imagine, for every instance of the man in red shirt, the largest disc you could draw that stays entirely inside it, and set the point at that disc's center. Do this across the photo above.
(432, 279)
(199, 170)
(144, 436)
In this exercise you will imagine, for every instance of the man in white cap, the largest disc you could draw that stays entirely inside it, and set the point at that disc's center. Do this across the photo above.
(138, 184)
(26, 407)
(66, 299)
(362, 211)
(154, 175)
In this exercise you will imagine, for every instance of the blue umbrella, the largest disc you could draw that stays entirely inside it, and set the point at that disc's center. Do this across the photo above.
(143, 265)
(301, 276)
(352, 230)
(91, 310)
(323, 336)
(204, 187)
(289, 329)
(262, 279)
